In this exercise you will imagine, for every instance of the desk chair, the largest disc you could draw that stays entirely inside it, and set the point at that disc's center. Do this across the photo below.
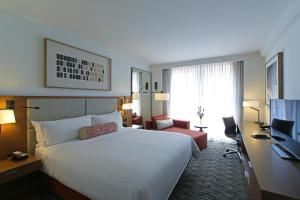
(283, 126)
(232, 131)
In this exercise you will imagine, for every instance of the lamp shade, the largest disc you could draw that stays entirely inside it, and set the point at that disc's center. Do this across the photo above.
(7, 117)
(161, 96)
(254, 104)
(127, 106)
(135, 96)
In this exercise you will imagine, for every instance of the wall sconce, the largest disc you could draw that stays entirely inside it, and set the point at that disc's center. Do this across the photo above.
(254, 105)
(7, 116)
(160, 96)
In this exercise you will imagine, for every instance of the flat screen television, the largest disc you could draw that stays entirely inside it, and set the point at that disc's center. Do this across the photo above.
(287, 110)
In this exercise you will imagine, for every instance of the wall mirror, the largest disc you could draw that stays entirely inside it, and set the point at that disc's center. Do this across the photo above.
(141, 96)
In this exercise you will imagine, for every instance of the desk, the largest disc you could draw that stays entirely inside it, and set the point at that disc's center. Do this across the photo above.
(270, 177)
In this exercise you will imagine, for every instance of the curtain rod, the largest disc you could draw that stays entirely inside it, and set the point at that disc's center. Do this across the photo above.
(199, 61)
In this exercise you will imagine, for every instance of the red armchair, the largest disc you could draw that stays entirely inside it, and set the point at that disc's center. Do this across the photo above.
(177, 123)
(138, 120)
(180, 126)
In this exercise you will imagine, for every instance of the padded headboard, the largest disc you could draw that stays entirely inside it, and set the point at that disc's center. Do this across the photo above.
(54, 108)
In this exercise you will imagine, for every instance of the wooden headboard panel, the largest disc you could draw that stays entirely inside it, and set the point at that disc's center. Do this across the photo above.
(21, 135)
(54, 108)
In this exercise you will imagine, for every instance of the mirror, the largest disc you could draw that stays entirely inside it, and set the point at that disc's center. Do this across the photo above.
(141, 96)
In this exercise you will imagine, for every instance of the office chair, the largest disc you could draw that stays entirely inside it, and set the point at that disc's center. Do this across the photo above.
(232, 131)
(283, 126)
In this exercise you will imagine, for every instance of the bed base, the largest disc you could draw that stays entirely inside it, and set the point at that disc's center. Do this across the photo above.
(67, 193)
(59, 189)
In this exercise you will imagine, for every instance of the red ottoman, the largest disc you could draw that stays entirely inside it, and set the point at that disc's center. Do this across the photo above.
(199, 137)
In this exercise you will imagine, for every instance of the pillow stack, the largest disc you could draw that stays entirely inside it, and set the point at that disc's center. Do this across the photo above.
(55, 132)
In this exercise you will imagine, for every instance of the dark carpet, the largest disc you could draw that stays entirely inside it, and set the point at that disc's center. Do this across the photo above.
(211, 176)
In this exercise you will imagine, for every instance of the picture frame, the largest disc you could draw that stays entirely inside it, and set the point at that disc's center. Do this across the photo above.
(274, 78)
(70, 67)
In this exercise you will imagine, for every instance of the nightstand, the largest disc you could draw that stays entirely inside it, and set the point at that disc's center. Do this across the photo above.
(10, 170)
(19, 180)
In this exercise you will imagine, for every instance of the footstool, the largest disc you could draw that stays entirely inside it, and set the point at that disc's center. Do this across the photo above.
(199, 137)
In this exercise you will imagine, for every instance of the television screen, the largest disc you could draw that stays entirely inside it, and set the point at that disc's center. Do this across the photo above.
(287, 110)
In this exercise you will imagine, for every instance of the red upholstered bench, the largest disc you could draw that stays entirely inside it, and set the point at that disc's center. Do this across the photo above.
(183, 127)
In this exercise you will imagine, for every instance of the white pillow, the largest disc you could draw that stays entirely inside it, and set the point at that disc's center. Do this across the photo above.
(40, 137)
(162, 124)
(109, 117)
(58, 131)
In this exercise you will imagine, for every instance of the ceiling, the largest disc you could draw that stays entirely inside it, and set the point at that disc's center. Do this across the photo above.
(160, 31)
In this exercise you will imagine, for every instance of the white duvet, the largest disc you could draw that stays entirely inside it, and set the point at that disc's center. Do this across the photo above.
(130, 164)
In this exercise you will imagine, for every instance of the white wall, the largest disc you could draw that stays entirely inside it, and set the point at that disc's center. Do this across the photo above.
(254, 79)
(22, 68)
(285, 37)
(289, 43)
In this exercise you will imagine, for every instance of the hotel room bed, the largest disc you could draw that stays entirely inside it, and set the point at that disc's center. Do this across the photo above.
(130, 164)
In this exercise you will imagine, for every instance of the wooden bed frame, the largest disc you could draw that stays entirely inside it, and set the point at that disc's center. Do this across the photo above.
(64, 191)
(58, 188)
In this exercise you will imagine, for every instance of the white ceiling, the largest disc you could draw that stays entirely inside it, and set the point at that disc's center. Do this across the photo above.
(160, 31)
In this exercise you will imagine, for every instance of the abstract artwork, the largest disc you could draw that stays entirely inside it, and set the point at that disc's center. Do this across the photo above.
(71, 67)
(274, 67)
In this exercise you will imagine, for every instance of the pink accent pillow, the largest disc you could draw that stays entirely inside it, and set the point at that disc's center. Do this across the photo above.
(97, 130)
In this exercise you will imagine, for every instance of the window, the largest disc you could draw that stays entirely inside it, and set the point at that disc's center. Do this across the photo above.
(218, 87)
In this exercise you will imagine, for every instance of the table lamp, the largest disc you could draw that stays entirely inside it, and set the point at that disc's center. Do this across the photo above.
(135, 96)
(254, 105)
(7, 116)
(161, 96)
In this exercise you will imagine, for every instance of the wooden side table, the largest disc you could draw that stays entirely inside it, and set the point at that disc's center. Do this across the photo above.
(10, 170)
(201, 128)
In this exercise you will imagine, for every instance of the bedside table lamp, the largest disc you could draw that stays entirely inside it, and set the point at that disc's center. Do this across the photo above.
(7, 117)
(126, 107)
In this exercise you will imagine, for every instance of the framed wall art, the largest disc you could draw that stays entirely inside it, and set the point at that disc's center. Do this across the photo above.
(274, 76)
(70, 67)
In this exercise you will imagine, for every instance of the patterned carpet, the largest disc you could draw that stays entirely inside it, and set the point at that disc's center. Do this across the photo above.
(211, 176)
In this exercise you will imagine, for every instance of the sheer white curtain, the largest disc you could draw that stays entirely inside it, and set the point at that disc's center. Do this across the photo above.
(217, 87)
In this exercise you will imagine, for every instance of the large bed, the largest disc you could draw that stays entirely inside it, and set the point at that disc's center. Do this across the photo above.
(129, 164)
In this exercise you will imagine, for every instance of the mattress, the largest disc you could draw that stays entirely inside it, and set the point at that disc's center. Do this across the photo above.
(130, 164)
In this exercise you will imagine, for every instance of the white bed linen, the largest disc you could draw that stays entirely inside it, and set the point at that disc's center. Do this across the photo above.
(130, 164)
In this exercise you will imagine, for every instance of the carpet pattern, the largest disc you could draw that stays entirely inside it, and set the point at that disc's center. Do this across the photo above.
(211, 176)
